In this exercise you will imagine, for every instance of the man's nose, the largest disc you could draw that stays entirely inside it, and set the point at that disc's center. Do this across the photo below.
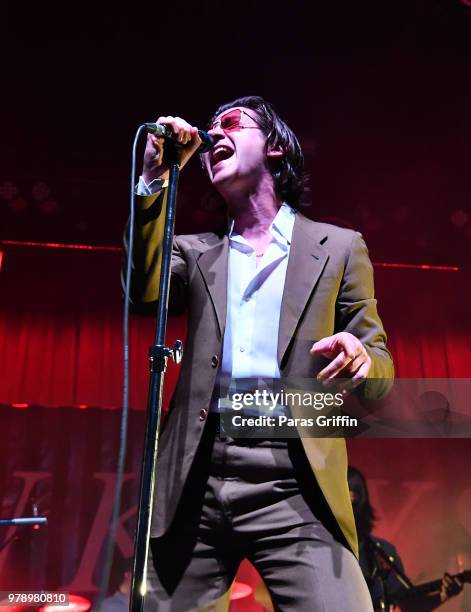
(217, 132)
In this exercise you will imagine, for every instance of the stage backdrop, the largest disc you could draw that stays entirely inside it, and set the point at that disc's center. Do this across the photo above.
(60, 393)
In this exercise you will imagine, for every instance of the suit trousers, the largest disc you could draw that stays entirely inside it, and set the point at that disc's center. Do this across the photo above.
(253, 499)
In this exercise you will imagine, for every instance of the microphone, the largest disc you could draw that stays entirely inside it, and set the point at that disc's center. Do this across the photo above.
(163, 131)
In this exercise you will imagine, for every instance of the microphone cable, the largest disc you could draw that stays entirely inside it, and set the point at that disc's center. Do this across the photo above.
(110, 542)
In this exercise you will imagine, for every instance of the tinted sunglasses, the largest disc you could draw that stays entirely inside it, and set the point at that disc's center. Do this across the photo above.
(230, 121)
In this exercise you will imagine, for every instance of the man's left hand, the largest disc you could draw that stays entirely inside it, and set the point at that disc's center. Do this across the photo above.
(349, 357)
(450, 587)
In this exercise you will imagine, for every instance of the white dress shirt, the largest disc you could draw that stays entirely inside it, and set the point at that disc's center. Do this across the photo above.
(254, 296)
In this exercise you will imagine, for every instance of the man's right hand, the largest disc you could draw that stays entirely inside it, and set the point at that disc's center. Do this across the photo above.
(154, 166)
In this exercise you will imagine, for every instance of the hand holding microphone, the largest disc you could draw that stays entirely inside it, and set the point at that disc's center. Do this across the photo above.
(188, 136)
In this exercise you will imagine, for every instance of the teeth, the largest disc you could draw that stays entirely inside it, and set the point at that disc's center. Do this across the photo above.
(219, 153)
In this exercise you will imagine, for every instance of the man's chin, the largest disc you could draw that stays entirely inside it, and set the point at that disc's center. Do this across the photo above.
(221, 177)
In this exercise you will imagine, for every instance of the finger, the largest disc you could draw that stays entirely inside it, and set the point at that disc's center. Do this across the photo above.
(184, 130)
(349, 348)
(187, 133)
(178, 127)
(343, 379)
(174, 123)
(189, 150)
(455, 585)
(194, 140)
(323, 346)
(332, 345)
(153, 152)
(156, 143)
(335, 366)
(167, 120)
(192, 146)
(354, 365)
(358, 378)
(362, 373)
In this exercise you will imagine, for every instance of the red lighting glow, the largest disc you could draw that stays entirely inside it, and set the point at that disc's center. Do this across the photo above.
(240, 590)
(20, 406)
(416, 266)
(58, 245)
(113, 249)
(1, 260)
(77, 603)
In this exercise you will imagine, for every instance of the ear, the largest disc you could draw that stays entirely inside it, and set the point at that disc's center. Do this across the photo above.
(275, 152)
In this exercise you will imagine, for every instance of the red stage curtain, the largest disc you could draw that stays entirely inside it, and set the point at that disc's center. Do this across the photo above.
(61, 328)
(61, 331)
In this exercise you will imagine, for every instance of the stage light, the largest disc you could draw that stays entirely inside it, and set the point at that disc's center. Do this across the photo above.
(18, 204)
(49, 206)
(8, 190)
(76, 604)
(40, 191)
(459, 218)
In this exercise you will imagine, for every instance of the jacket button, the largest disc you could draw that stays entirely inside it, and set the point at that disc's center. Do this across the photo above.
(203, 414)
(215, 361)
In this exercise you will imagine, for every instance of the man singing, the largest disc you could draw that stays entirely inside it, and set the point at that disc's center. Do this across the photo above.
(276, 296)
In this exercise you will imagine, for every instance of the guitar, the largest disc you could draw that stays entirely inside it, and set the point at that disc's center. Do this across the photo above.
(435, 585)
(427, 588)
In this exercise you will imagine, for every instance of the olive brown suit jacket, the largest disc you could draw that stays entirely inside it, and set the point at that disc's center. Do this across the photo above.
(328, 289)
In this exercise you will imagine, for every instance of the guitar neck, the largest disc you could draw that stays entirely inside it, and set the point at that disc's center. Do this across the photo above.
(435, 585)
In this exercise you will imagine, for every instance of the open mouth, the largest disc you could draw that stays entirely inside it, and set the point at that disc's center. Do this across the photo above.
(219, 154)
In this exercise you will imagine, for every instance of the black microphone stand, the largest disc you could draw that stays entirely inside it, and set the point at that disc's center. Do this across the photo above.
(158, 356)
(24, 521)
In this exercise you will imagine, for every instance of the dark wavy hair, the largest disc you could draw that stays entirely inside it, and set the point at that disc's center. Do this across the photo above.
(288, 170)
(365, 515)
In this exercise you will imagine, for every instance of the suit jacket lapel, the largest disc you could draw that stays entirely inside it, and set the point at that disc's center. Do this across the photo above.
(213, 264)
(306, 263)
